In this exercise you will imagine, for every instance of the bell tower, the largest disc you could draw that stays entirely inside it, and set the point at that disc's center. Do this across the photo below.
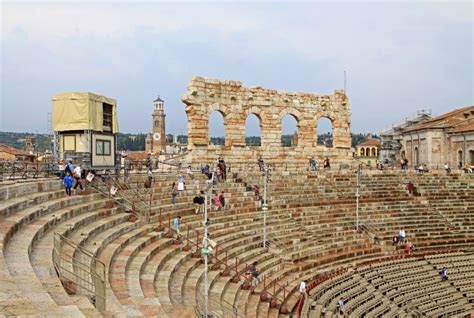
(156, 141)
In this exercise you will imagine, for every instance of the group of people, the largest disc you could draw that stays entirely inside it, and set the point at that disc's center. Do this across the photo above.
(401, 239)
(71, 175)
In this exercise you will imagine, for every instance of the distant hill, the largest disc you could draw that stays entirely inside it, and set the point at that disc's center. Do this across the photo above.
(17, 140)
(136, 142)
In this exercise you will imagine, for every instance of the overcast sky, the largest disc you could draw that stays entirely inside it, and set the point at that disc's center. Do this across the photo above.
(399, 56)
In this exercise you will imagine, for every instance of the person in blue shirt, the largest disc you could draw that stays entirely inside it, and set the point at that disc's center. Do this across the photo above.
(68, 181)
(177, 224)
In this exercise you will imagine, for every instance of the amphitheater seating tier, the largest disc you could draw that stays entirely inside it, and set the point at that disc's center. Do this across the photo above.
(310, 230)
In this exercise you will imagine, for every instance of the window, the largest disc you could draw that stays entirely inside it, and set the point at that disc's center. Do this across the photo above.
(107, 117)
(102, 147)
(69, 143)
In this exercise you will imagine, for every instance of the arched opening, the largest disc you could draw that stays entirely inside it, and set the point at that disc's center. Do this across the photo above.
(460, 159)
(324, 131)
(289, 131)
(216, 129)
(253, 130)
(417, 157)
(362, 152)
(374, 154)
(471, 156)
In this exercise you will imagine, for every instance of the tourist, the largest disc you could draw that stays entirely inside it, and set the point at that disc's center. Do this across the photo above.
(176, 225)
(412, 247)
(217, 174)
(253, 269)
(180, 183)
(303, 288)
(148, 161)
(222, 168)
(189, 172)
(261, 164)
(444, 273)
(395, 241)
(467, 168)
(78, 177)
(222, 199)
(199, 202)
(69, 167)
(420, 169)
(410, 188)
(312, 164)
(149, 179)
(61, 167)
(205, 170)
(68, 181)
(341, 306)
(217, 202)
(126, 168)
(401, 236)
(174, 193)
(326, 163)
(407, 247)
(447, 168)
(256, 191)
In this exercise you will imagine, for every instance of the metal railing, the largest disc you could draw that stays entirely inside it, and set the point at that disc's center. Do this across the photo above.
(80, 272)
(132, 196)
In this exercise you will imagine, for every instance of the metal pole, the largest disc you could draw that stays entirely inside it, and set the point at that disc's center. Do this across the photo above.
(206, 300)
(265, 207)
(357, 199)
(205, 246)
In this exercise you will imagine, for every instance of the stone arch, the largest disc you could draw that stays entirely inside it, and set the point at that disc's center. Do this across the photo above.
(297, 116)
(374, 152)
(362, 151)
(258, 141)
(224, 111)
(329, 140)
(220, 120)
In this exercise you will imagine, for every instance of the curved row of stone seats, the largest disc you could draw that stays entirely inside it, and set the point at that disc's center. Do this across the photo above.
(145, 266)
(23, 291)
(461, 271)
(20, 196)
(387, 289)
(452, 196)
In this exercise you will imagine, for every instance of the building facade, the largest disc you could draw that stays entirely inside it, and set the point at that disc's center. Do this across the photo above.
(448, 138)
(156, 140)
(368, 150)
(391, 139)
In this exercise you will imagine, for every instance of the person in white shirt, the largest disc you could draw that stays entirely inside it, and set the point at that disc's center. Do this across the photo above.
(401, 235)
(341, 305)
(77, 175)
(303, 287)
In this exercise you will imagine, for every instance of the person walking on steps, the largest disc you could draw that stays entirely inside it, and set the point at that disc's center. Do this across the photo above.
(78, 177)
(68, 181)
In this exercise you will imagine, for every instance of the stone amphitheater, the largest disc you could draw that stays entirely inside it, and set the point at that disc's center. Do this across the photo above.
(89, 256)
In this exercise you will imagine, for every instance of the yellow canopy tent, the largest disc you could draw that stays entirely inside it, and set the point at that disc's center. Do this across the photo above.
(82, 111)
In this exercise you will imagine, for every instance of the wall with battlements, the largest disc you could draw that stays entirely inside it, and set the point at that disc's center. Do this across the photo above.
(235, 102)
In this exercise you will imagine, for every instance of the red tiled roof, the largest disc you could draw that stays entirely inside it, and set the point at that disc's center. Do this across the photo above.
(13, 151)
(449, 120)
(370, 142)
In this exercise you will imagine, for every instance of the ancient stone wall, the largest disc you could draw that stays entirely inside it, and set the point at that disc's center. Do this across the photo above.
(236, 102)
